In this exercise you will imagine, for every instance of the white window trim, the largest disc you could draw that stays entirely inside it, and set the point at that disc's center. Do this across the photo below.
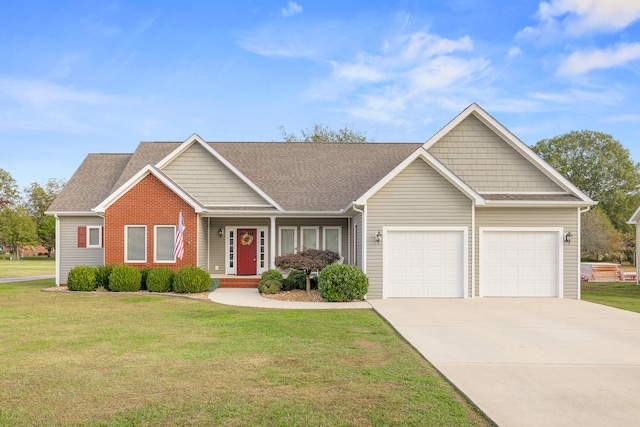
(89, 228)
(317, 230)
(155, 244)
(295, 238)
(126, 244)
(324, 237)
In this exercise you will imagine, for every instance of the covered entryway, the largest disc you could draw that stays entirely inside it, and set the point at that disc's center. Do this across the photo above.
(520, 262)
(424, 262)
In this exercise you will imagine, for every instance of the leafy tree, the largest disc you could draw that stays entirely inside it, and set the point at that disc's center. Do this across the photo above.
(320, 133)
(17, 228)
(600, 166)
(8, 189)
(598, 236)
(308, 261)
(38, 198)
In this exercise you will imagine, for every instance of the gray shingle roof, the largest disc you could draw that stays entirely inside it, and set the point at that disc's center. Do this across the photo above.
(91, 183)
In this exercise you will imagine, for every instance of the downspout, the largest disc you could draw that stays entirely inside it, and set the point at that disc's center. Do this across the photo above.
(209, 244)
(57, 249)
(272, 243)
(473, 248)
(580, 212)
(363, 234)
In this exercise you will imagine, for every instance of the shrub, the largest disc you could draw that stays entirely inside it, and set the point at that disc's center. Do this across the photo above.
(271, 282)
(339, 282)
(125, 278)
(269, 286)
(296, 279)
(191, 280)
(159, 279)
(215, 284)
(145, 274)
(82, 278)
(102, 276)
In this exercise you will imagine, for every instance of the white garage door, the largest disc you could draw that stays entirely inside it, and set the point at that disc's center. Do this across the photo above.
(424, 263)
(516, 263)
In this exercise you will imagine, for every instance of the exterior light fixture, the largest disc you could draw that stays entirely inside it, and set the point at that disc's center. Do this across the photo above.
(220, 232)
(378, 237)
(567, 237)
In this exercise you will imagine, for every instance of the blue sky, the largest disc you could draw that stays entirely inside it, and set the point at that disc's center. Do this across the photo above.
(79, 77)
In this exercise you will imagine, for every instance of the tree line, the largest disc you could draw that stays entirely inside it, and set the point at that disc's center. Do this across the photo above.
(22, 214)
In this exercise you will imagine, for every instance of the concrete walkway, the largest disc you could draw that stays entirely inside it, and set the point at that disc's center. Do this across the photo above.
(250, 297)
(26, 278)
(530, 362)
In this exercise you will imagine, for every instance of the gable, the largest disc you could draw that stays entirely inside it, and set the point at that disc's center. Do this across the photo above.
(485, 161)
(209, 181)
(420, 191)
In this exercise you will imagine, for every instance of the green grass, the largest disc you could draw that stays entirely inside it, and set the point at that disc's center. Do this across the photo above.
(622, 295)
(30, 266)
(102, 359)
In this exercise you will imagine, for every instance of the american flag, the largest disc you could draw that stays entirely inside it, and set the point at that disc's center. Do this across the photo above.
(178, 251)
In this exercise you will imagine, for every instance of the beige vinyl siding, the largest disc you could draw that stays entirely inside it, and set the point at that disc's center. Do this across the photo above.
(418, 196)
(356, 258)
(567, 218)
(69, 254)
(487, 163)
(204, 177)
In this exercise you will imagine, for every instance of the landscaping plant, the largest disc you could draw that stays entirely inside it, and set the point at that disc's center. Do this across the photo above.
(189, 280)
(82, 278)
(342, 283)
(125, 278)
(308, 261)
(160, 279)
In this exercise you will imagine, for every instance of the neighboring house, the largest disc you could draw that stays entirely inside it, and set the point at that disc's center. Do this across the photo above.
(471, 212)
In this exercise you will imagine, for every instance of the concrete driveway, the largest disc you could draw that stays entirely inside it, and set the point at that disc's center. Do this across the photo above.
(530, 362)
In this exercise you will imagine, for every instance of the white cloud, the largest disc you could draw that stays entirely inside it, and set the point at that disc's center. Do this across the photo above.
(513, 52)
(575, 18)
(581, 62)
(292, 8)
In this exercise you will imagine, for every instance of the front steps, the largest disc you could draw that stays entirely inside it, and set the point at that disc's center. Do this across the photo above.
(239, 282)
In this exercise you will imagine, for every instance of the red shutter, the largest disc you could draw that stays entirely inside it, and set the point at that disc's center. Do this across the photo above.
(82, 237)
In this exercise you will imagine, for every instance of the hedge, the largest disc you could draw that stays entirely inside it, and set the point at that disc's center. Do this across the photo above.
(82, 278)
(339, 282)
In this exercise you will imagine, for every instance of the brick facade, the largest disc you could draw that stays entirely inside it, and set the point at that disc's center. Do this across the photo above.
(149, 203)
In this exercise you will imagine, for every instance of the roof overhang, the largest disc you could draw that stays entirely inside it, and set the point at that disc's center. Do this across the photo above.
(635, 217)
(72, 213)
(134, 180)
(421, 153)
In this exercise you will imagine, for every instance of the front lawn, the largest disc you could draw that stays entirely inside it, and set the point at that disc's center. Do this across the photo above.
(110, 359)
(624, 295)
(30, 266)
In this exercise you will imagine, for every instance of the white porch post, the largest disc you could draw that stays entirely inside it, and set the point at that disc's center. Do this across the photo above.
(272, 243)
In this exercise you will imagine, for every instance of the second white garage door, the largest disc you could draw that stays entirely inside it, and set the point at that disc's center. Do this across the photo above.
(520, 263)
(424, 263)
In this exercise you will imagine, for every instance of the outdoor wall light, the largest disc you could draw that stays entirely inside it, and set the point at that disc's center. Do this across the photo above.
(567, 237)
(220, 232)
(378, 237)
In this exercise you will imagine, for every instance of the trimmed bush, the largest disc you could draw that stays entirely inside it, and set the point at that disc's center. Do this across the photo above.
(269, 286)
(296, 279)
(215, 284)
(102, 276)
(190, 280)
(82, 278)
(125, 278)
(338, 282)
(159, 279)
(271, 282)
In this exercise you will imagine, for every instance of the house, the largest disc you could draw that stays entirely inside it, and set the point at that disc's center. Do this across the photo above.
(473, 212)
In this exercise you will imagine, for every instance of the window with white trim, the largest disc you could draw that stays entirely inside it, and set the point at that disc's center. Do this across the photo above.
(332, 239)
(288, 239)
(309, 237)
(165, 242)
(135, 243)
(94, 236)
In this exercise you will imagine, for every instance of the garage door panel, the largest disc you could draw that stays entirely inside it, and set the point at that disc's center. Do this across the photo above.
(432, 261)
(520, 263)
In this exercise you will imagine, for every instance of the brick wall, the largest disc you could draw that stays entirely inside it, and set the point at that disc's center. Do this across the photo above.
(149, 203)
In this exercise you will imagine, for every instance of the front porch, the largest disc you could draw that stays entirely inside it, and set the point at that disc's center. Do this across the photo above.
(232, 281)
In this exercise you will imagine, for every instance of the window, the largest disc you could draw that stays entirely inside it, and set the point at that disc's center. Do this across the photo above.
(332, 239)
(135, 243)
(94, 237)
(165, 243)
(309, 237)
(288, 238)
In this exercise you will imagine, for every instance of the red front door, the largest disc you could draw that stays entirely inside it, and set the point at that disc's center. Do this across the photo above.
(246, 245)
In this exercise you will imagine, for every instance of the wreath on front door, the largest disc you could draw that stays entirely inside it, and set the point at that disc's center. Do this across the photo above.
(246, 239)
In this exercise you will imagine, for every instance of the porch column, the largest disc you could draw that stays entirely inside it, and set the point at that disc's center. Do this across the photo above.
(272, 243)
